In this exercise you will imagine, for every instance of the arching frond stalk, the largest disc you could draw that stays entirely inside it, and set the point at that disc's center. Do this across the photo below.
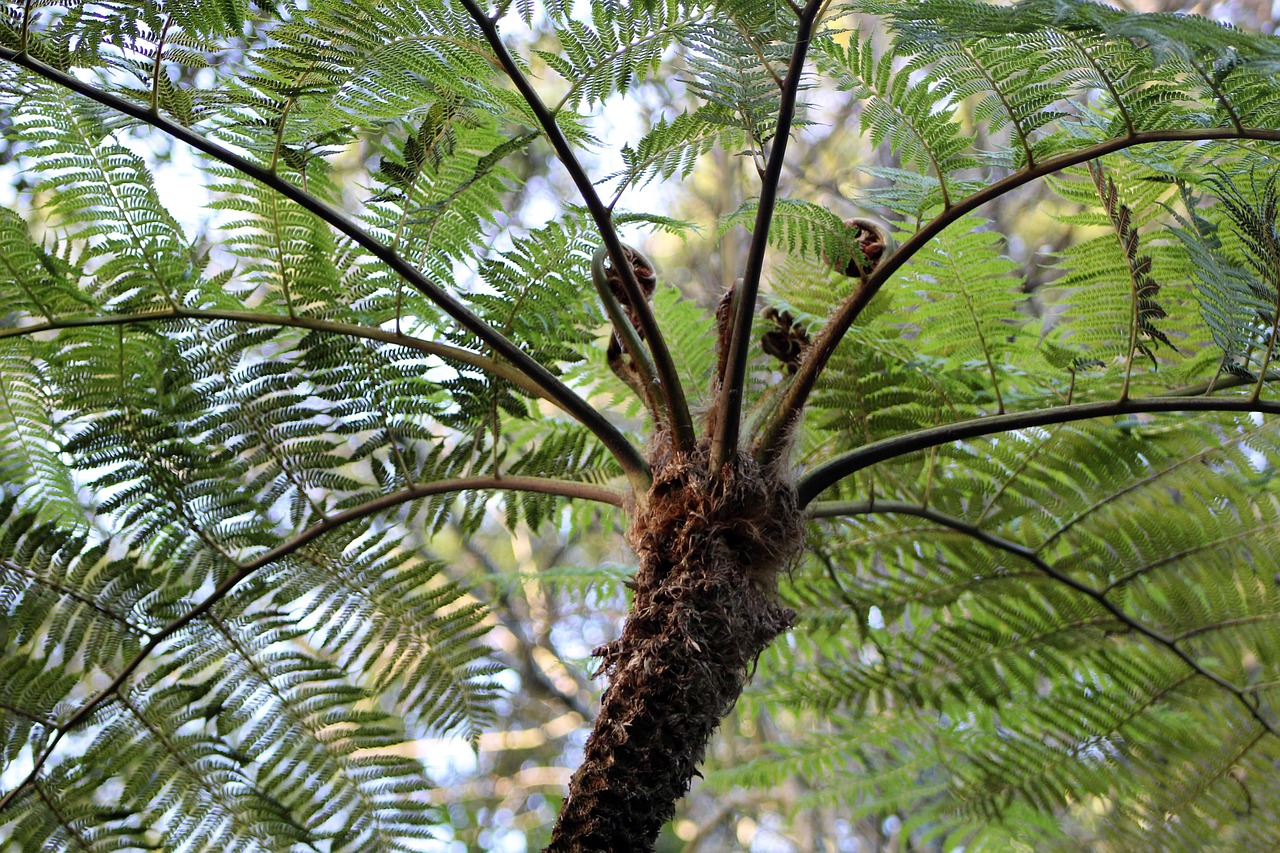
(823, 476)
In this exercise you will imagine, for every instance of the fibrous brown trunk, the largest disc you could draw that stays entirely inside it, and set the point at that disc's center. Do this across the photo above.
(710, 550)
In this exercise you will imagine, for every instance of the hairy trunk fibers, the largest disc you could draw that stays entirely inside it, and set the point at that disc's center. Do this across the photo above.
(705, 606)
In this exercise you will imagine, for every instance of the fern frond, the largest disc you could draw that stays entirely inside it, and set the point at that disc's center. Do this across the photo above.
(619, 47)
(29, 443)
(674, 147)
(800, 228)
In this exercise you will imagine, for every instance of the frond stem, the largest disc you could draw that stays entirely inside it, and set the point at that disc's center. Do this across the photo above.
(277, 227)
(976, 317)
(26, 27)
(772, 438)
(159, 64)
(62, 819)
(626, 454)
(728, 402)
(1271, 347)
(20, 279)
(666, 376)
(1177, 556)
(829, 473)
(759, 52)
(277, 452)
(650, 35)
(842, 509)
(1104, 77)
(1256, 619)
(1218, 383)
(212, 789)
(150, 455)
(284, 118)
(38, 719)
(1219, 94)
(1014, 476)
(301, 721)
(626, 332)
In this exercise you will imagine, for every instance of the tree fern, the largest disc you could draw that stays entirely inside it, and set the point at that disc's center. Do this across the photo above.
(1015, 508)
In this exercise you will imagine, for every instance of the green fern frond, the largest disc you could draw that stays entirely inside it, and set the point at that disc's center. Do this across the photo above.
(898, 111)
(800, 228)
(965, 305)
(29, 443)
(735, 68)
(618, 48)
(674, 147)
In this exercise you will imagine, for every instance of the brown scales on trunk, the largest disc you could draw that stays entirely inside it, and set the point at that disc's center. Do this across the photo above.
(705, 606)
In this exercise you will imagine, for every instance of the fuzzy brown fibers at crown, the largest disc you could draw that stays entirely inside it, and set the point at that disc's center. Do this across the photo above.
(705, 606)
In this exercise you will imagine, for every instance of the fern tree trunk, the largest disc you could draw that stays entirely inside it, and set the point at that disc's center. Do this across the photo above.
(705, 606)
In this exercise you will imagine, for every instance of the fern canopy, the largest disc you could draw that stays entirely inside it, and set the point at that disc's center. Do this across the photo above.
(285, 291)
